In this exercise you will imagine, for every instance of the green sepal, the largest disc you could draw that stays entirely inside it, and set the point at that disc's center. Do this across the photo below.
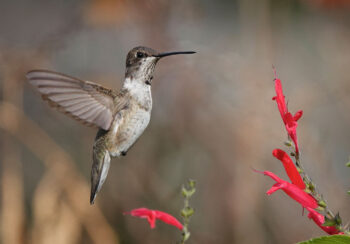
(288, 143)
(336, 221)
(322, 204)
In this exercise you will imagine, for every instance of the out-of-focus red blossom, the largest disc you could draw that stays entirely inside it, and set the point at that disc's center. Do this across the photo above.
(289, 120)
(290, 168)
(294, 191)
(319, 220)
(153, 215)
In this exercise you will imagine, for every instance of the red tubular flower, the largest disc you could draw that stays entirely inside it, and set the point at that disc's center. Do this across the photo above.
(290, 168)
(153, 215)
(319, 220)
(294, 191)
(289, 120)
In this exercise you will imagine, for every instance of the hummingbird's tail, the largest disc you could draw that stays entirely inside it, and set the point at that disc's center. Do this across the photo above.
(100, 167)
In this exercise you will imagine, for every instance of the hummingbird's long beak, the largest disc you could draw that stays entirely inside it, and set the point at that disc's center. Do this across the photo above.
(161, 55)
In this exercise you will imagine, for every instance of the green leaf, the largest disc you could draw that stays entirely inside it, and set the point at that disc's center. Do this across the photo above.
(188, 193)
(192, 183)
(186, 236)
(187, 212)
(335, 239)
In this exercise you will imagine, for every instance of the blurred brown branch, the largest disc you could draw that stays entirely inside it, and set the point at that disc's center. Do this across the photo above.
(62, 175)
(12, 186)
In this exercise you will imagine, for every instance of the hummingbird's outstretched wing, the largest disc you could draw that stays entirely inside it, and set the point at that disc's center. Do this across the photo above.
(85, 101)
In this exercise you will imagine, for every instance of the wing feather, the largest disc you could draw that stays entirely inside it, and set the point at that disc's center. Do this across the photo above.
(82, 100)
(75, 103)
(89, 114)
(59, 90)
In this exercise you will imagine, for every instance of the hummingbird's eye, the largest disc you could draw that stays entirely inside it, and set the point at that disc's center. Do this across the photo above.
(140, 54)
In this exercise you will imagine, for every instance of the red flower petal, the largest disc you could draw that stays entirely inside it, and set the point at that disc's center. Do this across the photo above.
(306, 200)
(290, 168)
(148, 214)
(298, 115)
(281, 104)
(291, 127)
(319, 220)
(168, 219)
(152, 215)
(275, 187)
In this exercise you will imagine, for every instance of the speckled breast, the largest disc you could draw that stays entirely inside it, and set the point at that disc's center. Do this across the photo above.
(132, 126)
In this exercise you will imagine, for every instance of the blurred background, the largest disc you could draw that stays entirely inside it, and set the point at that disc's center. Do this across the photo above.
(213, 118)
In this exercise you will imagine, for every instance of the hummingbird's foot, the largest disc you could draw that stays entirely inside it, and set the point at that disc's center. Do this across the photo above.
(123, 153)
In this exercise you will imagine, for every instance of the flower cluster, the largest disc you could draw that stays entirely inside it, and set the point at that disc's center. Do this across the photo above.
(296, 189)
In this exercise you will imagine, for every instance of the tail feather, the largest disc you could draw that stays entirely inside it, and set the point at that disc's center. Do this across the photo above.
(99, 171)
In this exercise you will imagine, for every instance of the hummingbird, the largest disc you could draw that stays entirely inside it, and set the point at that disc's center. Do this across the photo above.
(120, 116)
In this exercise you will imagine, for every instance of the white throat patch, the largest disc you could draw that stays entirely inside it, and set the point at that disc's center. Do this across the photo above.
(139, 90)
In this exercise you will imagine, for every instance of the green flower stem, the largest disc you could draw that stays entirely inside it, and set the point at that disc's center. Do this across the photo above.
(187, 211)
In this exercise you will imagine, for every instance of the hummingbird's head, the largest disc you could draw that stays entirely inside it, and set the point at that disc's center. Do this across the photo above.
(140, 63)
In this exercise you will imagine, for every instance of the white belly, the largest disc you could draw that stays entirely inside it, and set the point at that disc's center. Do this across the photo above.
(131, 130)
